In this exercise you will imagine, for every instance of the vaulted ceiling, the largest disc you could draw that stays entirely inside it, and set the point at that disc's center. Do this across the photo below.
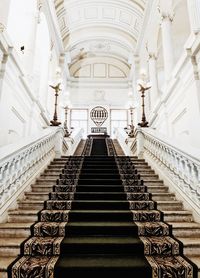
(105, 28)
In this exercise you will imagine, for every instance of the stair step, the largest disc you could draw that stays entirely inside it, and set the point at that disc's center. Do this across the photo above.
(108, 215)
(113, 265)
(177, 216)
(15, 230)
(37, 196)
(48, 181)
(165, 205)
(187, 229)
(99, 188)
(23, 216)
(10, 247)
(4, 263)
(191, 246)
(157, 188)
(42, 188)
(101, 228)
(100, 196)
(101, 245)
(163, 197)
(28, 204)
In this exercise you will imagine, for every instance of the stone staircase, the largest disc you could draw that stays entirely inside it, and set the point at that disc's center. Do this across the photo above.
(80, 148)
(184, 227)
(17, 229)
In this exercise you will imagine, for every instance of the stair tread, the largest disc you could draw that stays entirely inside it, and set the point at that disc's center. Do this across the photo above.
(102, 261)
(101, 240)
(184, 225)
(18, 225)
(12, 241)
(190, 240)
(5, 262)
(101, 224)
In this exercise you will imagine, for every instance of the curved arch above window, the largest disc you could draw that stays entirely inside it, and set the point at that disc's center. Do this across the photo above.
(95, 68)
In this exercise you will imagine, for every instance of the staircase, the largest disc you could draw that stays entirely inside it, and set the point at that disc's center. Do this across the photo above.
(17, 229)
(98, 209)
(101, 237)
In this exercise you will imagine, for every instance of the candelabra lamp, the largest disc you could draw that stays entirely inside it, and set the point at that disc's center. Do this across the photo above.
(142, 89)
(55, 122)
(66, 129)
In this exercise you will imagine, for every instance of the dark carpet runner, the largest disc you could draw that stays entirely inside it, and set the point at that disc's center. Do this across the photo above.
(100, 219)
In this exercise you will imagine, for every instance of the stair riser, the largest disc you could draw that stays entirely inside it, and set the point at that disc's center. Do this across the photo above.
(83, 188)
(42, 189)
(22, 218)
(99, 182)
(157, 189)
(163, 198)
(177, 218)
(169, 207)
(186, 232)
(101, 231)
(102, 249)
(3, 274)
(192, 250)
(46, 181)
(31, 206)
(9, 251)
(92, 217)
(14, 233)
(103, 196)
(37, 197)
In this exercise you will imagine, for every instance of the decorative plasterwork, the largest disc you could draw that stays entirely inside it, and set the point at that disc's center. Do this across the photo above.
(124, 15)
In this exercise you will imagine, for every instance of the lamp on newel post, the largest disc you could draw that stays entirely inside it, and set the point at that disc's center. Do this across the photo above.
(66, 129)
(143, 86)
(55, 122)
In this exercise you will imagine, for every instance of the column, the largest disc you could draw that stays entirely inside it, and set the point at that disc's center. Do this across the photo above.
(153, 78)
(194, 15)
(167, 45)
(4, 12)
(33, 17)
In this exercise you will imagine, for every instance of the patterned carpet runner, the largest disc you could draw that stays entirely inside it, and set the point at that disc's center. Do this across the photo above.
(100, 219)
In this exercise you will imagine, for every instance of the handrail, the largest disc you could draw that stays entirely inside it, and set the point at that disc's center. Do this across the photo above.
(12, 149)
(178, 166)
(192, 153)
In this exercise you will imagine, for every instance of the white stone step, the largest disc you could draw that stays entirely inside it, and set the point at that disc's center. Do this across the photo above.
(169, 205)
(191, 246)
(48, 181)
(23, 216)
(37, 196)
(10, 247)
(42, 188)
(163, 196)
(157, 188)
(14, 230)
(4, 263)
(30, 204)
(187, 229)
(196, 260)
(177, 216)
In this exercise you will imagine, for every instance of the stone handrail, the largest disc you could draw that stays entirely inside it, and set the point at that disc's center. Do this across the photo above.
(181, 168)
(20, 162)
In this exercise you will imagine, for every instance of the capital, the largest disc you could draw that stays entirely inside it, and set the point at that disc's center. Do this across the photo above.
(2, 27)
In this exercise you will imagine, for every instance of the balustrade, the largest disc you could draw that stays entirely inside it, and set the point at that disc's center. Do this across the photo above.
(180, 167)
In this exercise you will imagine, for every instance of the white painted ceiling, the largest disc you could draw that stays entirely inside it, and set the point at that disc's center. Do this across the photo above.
(100, 29)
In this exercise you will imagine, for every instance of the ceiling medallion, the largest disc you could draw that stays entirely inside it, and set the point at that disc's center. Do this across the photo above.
(99, 115)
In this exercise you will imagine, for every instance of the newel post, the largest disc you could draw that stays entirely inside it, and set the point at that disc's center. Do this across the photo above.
(139, 142)
(59, 142)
